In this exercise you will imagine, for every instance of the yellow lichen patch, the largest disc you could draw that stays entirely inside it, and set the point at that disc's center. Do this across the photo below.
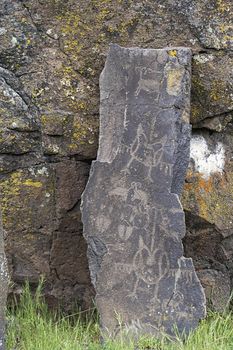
(11, 185)
(228, 37)
(172, 53)
(85, 32)
(225, 27)
(54, 123)
(32, 183)
(174, 78)
(37, 92)
(9, 189)
(73, 29)
(78, 36)
(74, 88)
(22, 198)
(217, 90)
(82, 133)
(44, 119)
(222, 6)
(103, 14)
(82, 105)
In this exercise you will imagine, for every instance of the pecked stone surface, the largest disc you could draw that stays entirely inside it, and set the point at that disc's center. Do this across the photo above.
(132, 216)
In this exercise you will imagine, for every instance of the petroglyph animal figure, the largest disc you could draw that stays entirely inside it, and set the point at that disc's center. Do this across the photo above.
(151, 262)
(145, 152)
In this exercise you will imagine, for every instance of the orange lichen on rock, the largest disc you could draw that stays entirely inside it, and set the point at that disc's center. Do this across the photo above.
(210, 198)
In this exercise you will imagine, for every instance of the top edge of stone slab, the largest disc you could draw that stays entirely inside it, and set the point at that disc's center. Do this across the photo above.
(172, 52)
(136, 77)
(167, 48)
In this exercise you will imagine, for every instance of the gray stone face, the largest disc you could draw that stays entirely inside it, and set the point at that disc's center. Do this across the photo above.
(132, 216)
(3, 287)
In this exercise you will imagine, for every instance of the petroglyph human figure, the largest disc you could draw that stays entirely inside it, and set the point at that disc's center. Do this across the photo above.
(144, 152)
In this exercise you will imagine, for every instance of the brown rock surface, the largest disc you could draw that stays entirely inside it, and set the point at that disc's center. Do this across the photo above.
(51, 55)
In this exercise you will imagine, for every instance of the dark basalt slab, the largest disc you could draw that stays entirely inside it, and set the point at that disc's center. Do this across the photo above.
(132, 216)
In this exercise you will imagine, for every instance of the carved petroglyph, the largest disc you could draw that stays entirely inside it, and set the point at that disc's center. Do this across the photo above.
(148, 152)
(140, 273)
(145, 84)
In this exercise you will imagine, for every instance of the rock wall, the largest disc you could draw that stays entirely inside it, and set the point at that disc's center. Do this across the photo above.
(51, 55)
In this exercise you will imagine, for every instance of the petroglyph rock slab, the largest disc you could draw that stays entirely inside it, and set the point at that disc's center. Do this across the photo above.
(133, 219)
(3, 287)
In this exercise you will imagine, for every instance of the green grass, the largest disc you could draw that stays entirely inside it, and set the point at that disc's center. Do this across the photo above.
(31, 326)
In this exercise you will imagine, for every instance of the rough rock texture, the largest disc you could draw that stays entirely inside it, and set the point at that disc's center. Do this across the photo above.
(52, 52)
(132, 217)
(208, 198)
(41, 206)
(3, 287)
